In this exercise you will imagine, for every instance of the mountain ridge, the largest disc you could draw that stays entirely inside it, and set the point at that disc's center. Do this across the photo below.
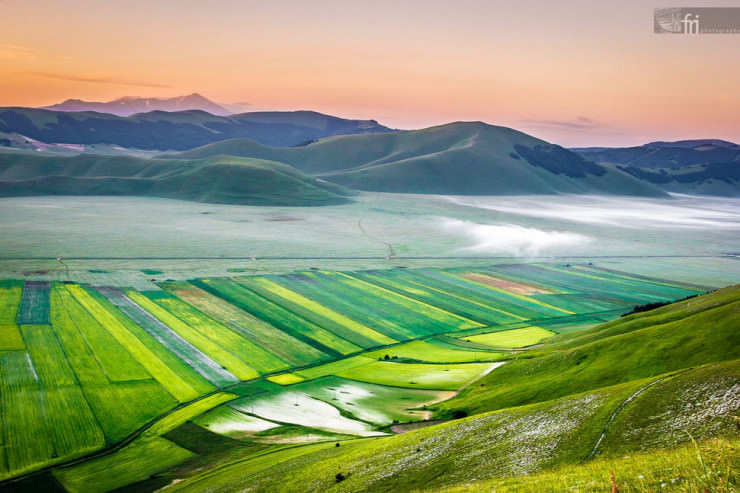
(180, 130)
(131, 105)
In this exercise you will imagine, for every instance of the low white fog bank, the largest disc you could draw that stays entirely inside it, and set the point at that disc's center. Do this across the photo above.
(684, 211)
(514, 240)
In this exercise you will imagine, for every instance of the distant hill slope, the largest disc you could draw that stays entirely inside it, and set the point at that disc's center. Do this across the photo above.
(128, 106)
(457, 158)
(666, 154)
(218, 179)
(160, 130)
(705, 166)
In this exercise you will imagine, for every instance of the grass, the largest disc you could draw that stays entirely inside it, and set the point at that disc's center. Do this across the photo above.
(160, 371)
(10, 298)
(286, 378)
(72, 426)
(178, 417)
(120, 407)
(505, 442)
(210, 357)
(255, 356)
(10, 338)
(432, 353)
(167, 337)
(417, 376)
(341, 325)
(483, 313)
(262, 334)
(27, 439)
(136, 462)
(515, 338)
(114, 359)
(334, 367)
(279, 317)
(709, 466)
(34, 305)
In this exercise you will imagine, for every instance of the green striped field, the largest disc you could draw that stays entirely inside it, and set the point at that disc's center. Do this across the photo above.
(83, 368)
(282, 318)
(219, 335)
(262, 334)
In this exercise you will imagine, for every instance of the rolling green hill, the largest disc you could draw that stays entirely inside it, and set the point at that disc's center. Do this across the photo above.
(458, 158)
(217, 179)
(161, 130)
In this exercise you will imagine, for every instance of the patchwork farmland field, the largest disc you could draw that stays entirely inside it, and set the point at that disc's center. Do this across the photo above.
(278, 358)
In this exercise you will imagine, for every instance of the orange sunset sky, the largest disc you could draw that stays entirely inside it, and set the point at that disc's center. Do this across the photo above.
(574, 72)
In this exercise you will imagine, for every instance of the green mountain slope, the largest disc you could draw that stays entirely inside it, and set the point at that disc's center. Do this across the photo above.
(179, 130)
(457, 158)
(490, 446)
(217, 179)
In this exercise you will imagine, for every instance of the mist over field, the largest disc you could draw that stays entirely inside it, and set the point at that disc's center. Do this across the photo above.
(684, 211)
(515, 240)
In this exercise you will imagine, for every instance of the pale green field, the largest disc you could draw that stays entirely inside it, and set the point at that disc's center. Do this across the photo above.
(418, 376)
(515, 338)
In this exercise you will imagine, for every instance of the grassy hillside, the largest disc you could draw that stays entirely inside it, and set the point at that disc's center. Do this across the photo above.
(513, 442)
(179, 130)
(693, 332)
(218, 179)
(457, 158)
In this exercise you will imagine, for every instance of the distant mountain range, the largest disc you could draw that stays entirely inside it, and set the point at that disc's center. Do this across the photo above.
(706, 166)
(181, 130)
(462, 158)
(129, 105)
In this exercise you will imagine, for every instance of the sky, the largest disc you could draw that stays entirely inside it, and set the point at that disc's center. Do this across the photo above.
(573, 72)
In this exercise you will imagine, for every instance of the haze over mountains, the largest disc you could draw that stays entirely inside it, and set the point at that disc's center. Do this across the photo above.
(462, 158)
